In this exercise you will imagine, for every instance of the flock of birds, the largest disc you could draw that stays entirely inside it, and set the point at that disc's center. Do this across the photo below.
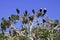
(26, 20)
(39, 13)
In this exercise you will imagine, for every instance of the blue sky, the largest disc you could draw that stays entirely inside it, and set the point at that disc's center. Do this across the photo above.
(7, 7)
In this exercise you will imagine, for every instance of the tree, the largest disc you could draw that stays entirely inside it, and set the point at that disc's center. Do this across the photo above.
(41, 31)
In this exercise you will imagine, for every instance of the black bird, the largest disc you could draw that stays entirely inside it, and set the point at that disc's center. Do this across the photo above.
(17, 10)
(31, 18)
(33, 11)
(9, 18)
(2, 18)
(10, 32)
(39, 12)
(43, 20)
(44, 12)
(38, 24)
(40, 9)
(25, 14)
(25, 20)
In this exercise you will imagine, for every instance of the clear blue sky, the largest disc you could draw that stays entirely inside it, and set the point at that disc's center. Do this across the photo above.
(7, 7)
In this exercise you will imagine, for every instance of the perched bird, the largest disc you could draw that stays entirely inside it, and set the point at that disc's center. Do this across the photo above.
(33, 11)
(25, 20)
(4, 21)
(43, 20)
(10, 18)
(2, 18)
(12, 27)
(9, 22)
(39, 12)
(44, 12)
(17, 10)
(25, 14)
(31, 18)
(40, 9)
(37, 23)
(10, 32)
(55, 22)
(3, 26)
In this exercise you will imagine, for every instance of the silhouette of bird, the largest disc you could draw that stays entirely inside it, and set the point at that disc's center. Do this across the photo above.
(25, 14)
(31, 18)
(10, 32)
(9, 18)
(44, 12)
(33, 11)
(25, 20)
(37, 23)
(17, 10)
(2, 18)
(44, 20)
(40, 9)
(39, 12)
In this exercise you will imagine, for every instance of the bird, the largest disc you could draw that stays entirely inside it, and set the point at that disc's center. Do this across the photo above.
(25, 20)
(33, 11)
(31, 18)
(12, 28)
(9, 17)
(17, 10)
(10, 32)
(25, 14)
(44, 12)
(37, 23)
(40, 9)
(43, 20)
(39, 12)
(2, 18)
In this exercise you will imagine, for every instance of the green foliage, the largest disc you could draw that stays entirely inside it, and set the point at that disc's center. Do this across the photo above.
(1, 36)
(45, 34)
(56, 21)
(15, 17)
